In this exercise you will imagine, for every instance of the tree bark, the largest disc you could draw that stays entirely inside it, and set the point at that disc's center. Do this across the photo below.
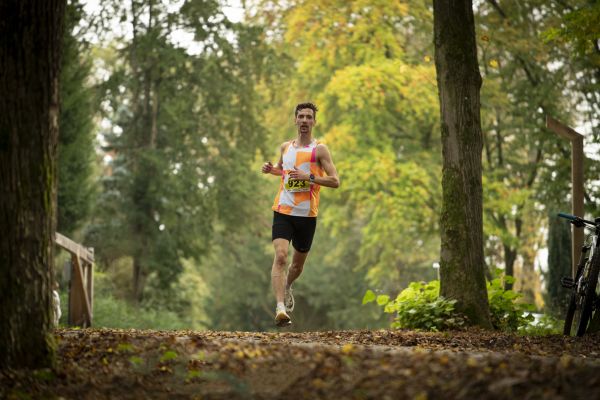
(459, 81)
(30, 54)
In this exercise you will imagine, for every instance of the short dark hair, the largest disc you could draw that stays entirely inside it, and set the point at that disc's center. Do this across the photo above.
(302, 106)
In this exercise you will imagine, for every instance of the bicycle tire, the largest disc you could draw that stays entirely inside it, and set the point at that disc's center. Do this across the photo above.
(590, 293)
(573, 316)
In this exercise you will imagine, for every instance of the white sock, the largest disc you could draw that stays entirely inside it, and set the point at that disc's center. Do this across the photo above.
(280, 305)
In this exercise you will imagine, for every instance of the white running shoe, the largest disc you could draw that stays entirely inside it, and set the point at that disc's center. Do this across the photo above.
(289, 299)
(281, 318)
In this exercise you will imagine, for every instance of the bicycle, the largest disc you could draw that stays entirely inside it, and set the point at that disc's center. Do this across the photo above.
(584, 295)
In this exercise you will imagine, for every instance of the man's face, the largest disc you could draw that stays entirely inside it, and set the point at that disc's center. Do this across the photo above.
(305, 120)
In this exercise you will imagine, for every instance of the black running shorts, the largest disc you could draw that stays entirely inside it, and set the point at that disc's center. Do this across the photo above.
(298, 230)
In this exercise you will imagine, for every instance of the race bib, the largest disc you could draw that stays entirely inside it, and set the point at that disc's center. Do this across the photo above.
(294, 185)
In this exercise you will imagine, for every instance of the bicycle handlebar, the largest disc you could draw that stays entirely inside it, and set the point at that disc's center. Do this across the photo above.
(577, 221)
(567, 216)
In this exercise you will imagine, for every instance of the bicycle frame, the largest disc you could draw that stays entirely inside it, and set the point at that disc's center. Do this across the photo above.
(584, 285)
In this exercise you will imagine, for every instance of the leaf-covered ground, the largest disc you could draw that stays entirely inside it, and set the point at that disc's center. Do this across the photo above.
(133, 364)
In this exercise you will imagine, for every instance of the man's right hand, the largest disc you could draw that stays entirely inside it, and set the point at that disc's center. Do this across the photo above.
(267, 167)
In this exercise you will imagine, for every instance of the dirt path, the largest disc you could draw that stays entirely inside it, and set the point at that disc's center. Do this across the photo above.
(130, 364)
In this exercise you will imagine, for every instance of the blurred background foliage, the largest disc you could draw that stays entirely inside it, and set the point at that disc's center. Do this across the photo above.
(169, 108)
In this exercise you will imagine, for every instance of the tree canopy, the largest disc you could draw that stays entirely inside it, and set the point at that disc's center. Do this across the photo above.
(170, 193)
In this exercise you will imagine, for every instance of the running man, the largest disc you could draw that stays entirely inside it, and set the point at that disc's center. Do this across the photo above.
(304, 166)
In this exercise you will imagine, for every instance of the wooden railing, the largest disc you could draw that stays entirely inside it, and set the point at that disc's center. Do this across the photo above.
(577, 195)
(81, 288)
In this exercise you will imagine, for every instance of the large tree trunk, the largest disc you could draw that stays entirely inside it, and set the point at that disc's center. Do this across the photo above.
(461, 259)
(510, 256)
(30, 43)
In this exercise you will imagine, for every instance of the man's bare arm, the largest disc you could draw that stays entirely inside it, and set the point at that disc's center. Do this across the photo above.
(277, 169)
(324, 157)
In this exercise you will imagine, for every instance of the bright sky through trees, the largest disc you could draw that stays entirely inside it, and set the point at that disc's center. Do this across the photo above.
(231, 8)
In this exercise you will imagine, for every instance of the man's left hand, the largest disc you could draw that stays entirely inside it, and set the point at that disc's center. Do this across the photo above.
(299, 175)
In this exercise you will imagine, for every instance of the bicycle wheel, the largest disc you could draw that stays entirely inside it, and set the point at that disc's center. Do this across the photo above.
(589, 297)
(573, 315)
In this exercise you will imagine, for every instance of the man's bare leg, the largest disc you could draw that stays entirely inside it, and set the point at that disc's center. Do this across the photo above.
(294, 272)
(278, 281)
(296, 267)
(278, 269)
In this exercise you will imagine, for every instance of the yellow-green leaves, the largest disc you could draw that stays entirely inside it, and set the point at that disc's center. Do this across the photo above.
(369, 297)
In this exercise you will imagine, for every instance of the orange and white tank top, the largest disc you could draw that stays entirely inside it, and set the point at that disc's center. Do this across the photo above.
(299, 198)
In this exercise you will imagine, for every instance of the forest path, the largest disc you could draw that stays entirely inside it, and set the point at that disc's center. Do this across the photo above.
(381, 364)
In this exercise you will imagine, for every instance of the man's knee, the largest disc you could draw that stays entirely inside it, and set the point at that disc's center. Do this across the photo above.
(297, 266)
(280, 258)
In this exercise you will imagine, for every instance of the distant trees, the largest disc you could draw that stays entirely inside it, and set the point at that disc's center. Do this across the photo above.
(30, 60)
(524, 80)
(183, 131)
(185, 128)
(459, 81)
(76, 140)
(559, 264)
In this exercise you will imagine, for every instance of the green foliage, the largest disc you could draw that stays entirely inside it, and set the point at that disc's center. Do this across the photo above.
(371, 72)
(75, 141)
(183, 197)
(183, 132)
(576, 32)
(546, 325)
(419, 306)
(507, 314)
(524, 165)
(330, 289)
(579, 26)
(112, 310)
(559, 265)
(369, 297)
(237, 294)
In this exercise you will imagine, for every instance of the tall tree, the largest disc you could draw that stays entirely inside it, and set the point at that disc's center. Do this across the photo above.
(525, 80)
(459, 81)
(184, 130)
(76, 141)
(368, 66)
(30, 59)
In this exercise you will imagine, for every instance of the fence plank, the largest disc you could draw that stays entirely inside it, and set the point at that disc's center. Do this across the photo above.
(79, 300)
(74, 248)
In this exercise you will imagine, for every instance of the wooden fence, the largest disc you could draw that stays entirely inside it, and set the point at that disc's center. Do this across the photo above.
(577, 178)
(81, 287)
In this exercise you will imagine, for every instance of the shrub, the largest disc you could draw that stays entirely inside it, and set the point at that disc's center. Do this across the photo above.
(419, 306)
(545, 325)
(506, 313)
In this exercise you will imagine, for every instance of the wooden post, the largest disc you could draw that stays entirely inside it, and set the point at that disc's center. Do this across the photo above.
(577, 158)
(90, 285)
(81, 288)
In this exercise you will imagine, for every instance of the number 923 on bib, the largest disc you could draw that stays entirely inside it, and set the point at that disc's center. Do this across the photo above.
(295, 185)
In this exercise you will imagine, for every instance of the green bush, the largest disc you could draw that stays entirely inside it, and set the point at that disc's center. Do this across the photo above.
(419, 306)
(506, 313)
(546, 325)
